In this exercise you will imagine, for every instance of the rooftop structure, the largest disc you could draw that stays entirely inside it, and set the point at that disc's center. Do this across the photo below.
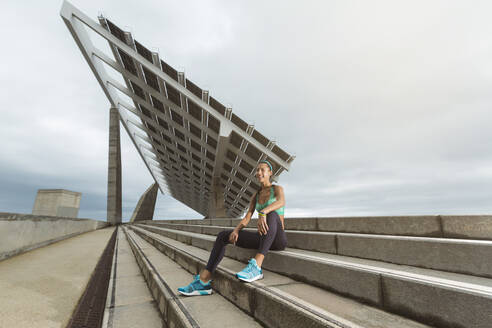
(195, 148)
(57, 202)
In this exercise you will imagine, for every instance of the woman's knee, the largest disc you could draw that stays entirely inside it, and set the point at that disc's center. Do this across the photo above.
(223, 236)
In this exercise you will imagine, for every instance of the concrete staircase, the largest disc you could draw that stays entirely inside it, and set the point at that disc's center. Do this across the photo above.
(335, 272)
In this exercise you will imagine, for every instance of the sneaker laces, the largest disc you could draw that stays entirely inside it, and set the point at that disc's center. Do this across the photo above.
(250, 266)
(192, 285)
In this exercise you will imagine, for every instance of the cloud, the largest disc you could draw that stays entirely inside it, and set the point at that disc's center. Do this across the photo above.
(385, 104)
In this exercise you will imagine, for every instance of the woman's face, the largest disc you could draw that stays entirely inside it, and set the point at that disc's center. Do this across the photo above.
(263, 172)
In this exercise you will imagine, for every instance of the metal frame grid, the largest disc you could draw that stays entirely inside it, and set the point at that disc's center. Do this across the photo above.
(192, 145)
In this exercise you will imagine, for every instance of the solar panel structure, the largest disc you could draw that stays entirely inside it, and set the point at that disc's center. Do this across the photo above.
(196, 148)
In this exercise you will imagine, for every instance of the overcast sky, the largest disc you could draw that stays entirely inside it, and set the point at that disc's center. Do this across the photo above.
(387, 105)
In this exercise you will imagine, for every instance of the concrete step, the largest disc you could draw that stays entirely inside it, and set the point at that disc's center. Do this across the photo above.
(165, 276)
(445, 254)
(444, 226)
(425, 295)
(277, 300)
(129, 302)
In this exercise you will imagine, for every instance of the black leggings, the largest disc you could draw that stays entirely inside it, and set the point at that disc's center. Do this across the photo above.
(275, 239)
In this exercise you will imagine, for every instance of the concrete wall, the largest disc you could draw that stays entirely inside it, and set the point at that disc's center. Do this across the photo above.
(20, 233)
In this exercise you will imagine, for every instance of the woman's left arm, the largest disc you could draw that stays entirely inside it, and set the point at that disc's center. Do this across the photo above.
(278, 203)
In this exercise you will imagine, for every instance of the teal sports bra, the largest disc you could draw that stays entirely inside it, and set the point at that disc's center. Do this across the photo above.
(259, 207)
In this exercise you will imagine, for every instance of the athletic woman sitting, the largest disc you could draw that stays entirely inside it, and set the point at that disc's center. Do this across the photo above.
(269, 201)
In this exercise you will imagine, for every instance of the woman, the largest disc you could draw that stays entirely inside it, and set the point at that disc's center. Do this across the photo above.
(269, 201)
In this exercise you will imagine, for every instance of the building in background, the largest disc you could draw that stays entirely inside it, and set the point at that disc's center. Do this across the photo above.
(57, 202)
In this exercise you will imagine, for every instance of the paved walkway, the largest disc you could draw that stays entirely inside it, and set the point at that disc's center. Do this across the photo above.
(41, 288)
(132, 305)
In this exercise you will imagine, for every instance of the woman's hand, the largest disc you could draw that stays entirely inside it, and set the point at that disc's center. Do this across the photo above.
(262, 224)
(233, 236)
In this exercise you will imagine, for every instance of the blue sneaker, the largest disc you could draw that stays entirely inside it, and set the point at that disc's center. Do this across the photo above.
(196, 287)
(251, 272)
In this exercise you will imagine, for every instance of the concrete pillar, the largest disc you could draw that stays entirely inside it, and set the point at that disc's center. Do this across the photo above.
(216, 208)
(146, 205)
(114, 169)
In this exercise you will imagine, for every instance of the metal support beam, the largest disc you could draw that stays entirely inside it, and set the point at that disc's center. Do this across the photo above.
(114, 169)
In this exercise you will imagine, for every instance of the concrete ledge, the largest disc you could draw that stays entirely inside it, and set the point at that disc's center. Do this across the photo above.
(452, 255)
(472, 226)
(300, 224)
(324, 242)
(224, 222)
(357, 283)
(384, 225)
(442, 306)
(20, 233)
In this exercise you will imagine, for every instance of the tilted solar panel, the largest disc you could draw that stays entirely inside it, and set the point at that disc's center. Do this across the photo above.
(196, 148)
